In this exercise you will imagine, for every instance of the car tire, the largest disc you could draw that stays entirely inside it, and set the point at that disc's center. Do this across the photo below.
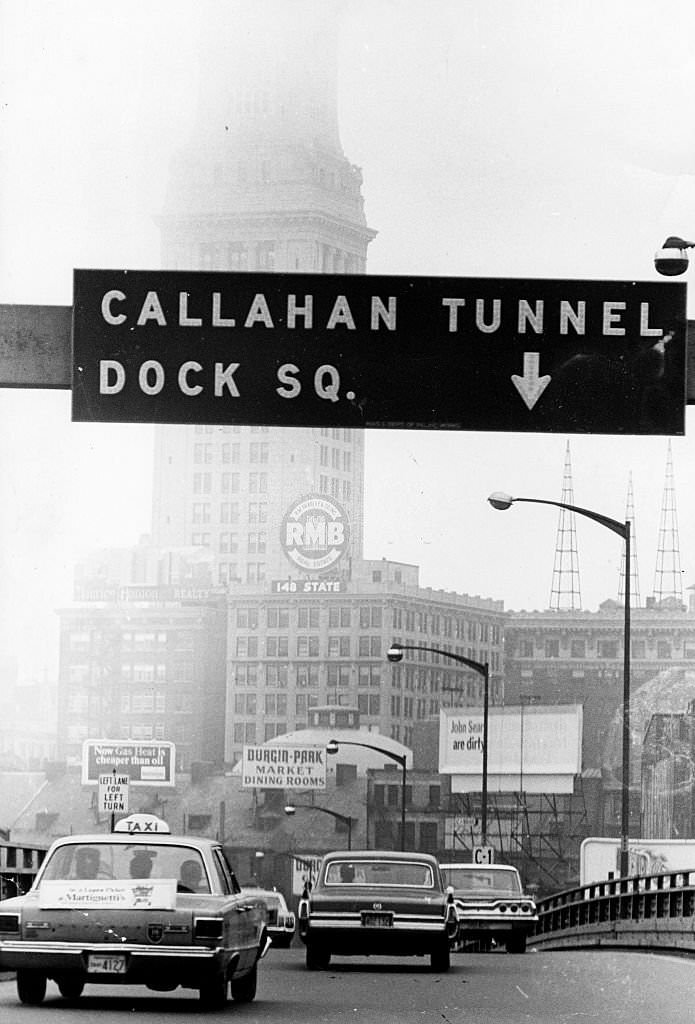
(213, 992)
(440, 959)
(70, 986)
(317, 959)
(516, 944)
(244, 989)
(31, 986)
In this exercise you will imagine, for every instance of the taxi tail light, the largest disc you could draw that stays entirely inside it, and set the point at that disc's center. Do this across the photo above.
(9, 922)
(207, 928)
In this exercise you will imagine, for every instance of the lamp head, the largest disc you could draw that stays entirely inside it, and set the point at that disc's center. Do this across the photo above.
(332, 747)
(395, 652)
(672, 258)
(290, 809)
(500, 501)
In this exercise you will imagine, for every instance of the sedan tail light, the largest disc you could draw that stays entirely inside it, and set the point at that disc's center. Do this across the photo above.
(207, 928)
(9, 923)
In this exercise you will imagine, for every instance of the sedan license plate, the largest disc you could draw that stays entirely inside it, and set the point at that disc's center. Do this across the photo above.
(97, 963)
(370, 920)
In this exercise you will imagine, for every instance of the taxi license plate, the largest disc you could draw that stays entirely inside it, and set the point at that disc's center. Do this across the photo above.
(377, 920)
(100, 964)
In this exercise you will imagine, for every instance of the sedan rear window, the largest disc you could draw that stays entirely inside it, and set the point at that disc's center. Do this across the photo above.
(379, 872)
(479, 880)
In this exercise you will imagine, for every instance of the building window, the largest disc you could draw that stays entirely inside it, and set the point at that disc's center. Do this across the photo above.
(607, 649)
(276, 675)
(428, 837)
(663, 649)
(339, 617)
(258, 512)
(369, 675)
(578, 648)
(276, 704)
(247, 618)
(307, 675)
(338, 675)
(307, 646)
(308, 618)
(276, 646)
(246, 675)
(338, 646)
(278, 618)
(552, 647)
(247, 647)
(201, 512)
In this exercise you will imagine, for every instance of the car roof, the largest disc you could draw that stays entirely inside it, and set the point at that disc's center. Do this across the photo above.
(479, 867)
(135, 838)
(381, 855)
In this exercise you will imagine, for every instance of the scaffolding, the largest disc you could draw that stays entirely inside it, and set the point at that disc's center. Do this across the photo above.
(539, 833)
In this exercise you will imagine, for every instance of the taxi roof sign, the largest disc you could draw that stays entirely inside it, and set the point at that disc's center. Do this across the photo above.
(141, 823)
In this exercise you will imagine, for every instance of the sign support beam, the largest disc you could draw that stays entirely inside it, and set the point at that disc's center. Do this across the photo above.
(35, 348)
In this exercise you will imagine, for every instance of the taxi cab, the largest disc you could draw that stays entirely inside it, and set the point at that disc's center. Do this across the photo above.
(136, 906)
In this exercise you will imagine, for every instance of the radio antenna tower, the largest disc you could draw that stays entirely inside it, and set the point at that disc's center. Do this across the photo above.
(668, 580)
(565, 592)
(635, 601)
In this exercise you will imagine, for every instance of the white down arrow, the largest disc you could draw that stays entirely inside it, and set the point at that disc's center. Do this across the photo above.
(531, 386)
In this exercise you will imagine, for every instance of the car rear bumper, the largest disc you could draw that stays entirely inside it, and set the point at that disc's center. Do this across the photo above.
(189, 963)
(496, 926)
(353, 938)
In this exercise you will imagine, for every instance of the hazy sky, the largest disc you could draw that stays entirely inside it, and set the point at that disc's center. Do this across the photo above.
(515, 139)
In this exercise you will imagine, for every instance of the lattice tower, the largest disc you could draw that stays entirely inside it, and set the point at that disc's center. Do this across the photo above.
(668, 580)
(565, 592)
(635, 600)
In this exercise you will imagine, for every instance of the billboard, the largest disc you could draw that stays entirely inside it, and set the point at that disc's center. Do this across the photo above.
(146, 763)
(283, 767)
(363, 350)
(536, 749)
(599, 857)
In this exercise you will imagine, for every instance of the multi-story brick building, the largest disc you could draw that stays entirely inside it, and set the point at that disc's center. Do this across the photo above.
(288, 651)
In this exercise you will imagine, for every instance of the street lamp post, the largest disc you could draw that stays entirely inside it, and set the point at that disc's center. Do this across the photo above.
(504, 501)
(291, 808)
(395, 653)
(333, 746)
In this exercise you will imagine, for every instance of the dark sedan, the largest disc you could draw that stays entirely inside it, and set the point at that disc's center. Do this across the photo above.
(383, 903)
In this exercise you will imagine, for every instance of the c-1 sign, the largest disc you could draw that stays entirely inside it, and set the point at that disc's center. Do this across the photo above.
(483, 855)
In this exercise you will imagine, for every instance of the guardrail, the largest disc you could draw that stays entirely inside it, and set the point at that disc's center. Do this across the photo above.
(649, 911)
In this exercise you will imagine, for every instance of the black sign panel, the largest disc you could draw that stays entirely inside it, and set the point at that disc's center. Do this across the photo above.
(379, 351)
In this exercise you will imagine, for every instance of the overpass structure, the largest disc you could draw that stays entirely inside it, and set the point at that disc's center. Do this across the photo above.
(649, 912)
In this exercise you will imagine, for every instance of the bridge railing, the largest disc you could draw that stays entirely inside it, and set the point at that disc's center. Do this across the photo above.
(648, 911)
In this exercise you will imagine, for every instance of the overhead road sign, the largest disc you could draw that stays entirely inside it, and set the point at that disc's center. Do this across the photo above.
(379, 351)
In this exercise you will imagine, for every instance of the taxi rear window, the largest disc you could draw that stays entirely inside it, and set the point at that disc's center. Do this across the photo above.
(128, 860)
